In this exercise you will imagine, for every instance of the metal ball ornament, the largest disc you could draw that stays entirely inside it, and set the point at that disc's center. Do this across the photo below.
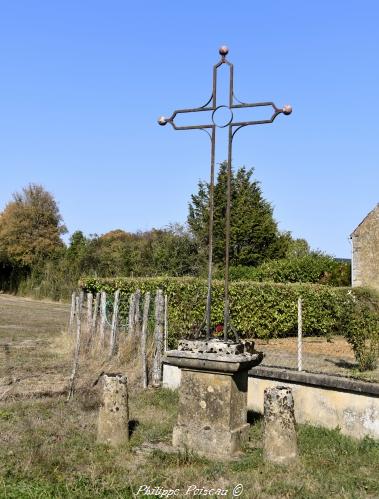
(223, 50)
(162, 121)
(287, 109)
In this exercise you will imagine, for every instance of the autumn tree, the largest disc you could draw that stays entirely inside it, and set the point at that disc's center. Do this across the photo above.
(30, 227)
(254, 232)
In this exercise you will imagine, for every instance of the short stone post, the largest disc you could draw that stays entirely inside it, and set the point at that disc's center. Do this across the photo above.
(279, 439)
(113, 420)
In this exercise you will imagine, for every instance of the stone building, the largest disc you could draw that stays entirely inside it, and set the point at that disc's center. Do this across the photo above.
(365, 251)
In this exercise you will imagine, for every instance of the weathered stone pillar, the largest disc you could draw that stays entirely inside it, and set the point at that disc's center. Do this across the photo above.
(113, 422)
(279, 439)
(212, 416)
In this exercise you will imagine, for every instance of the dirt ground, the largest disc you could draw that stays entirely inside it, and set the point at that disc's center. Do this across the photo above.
(33, 356)
(318, 355)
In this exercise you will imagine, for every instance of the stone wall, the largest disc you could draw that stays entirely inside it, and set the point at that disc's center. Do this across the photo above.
(320, 400)
(365, 251)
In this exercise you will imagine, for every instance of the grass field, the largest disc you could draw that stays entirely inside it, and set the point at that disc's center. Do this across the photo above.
(48, 445)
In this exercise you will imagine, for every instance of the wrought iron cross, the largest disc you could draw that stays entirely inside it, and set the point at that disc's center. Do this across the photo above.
(233, 127)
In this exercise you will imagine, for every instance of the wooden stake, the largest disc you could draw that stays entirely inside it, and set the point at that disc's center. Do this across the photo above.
(95, 314)
(131, 314)
(103, 313)
(137, 323)
(158, 337)
(72, 313)
(113, 342)
(143, 338)
(93, 323)
(89, 313)
(77, 351)
(165, 323)
(81, 300)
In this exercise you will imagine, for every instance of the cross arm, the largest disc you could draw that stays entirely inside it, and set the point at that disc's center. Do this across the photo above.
(206, 107)
(287, 109)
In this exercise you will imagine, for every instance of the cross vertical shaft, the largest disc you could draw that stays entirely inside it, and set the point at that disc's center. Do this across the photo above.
(211, 107)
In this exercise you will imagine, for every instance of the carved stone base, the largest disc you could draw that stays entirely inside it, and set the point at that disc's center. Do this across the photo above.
(212, 413)
(212, 442)
(212, 416)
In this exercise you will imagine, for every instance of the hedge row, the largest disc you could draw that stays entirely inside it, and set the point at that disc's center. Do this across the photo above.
(316, 269)
(258, 310)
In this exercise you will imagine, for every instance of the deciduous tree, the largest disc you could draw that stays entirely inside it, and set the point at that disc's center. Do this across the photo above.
(31, 227)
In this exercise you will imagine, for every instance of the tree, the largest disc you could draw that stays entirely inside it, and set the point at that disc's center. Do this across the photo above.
(254, 233)
(31, 227)
(298, 248)
(169, 251)
(112, 253)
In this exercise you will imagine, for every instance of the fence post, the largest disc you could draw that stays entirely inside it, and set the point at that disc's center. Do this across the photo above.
(143, 338)
(72, 313)
(137, 319)
(132, 301)
(165, 323)
(77, 350)
(89, 313)
(158, 337)
(299, 334)
(113, 342)
(81, 300)
(103, 312)
(92, 317)
(95, 314)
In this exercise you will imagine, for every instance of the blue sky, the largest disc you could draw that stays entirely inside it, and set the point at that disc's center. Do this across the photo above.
(83, 82)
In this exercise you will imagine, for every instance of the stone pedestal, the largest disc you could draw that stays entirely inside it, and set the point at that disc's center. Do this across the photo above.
(213, 395)
(113, 422)
(279, 439)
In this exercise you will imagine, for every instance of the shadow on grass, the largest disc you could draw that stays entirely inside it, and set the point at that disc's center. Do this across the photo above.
(132, 426)
(342, 363)
(254, 417)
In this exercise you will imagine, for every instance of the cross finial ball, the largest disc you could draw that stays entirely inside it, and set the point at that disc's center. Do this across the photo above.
(162, 120)
(223, 50)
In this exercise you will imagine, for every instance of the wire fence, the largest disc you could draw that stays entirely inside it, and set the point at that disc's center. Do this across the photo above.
(101, 321)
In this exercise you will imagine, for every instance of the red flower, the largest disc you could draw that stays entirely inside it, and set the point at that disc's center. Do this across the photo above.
(219, 328)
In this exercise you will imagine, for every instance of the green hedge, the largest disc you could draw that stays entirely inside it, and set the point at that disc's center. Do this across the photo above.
(258, 310)
(317, 269)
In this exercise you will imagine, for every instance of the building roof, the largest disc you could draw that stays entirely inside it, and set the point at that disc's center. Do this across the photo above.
(369, 215)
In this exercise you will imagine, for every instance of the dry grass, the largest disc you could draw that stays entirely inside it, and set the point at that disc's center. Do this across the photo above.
(36, 353)
(33, 354)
